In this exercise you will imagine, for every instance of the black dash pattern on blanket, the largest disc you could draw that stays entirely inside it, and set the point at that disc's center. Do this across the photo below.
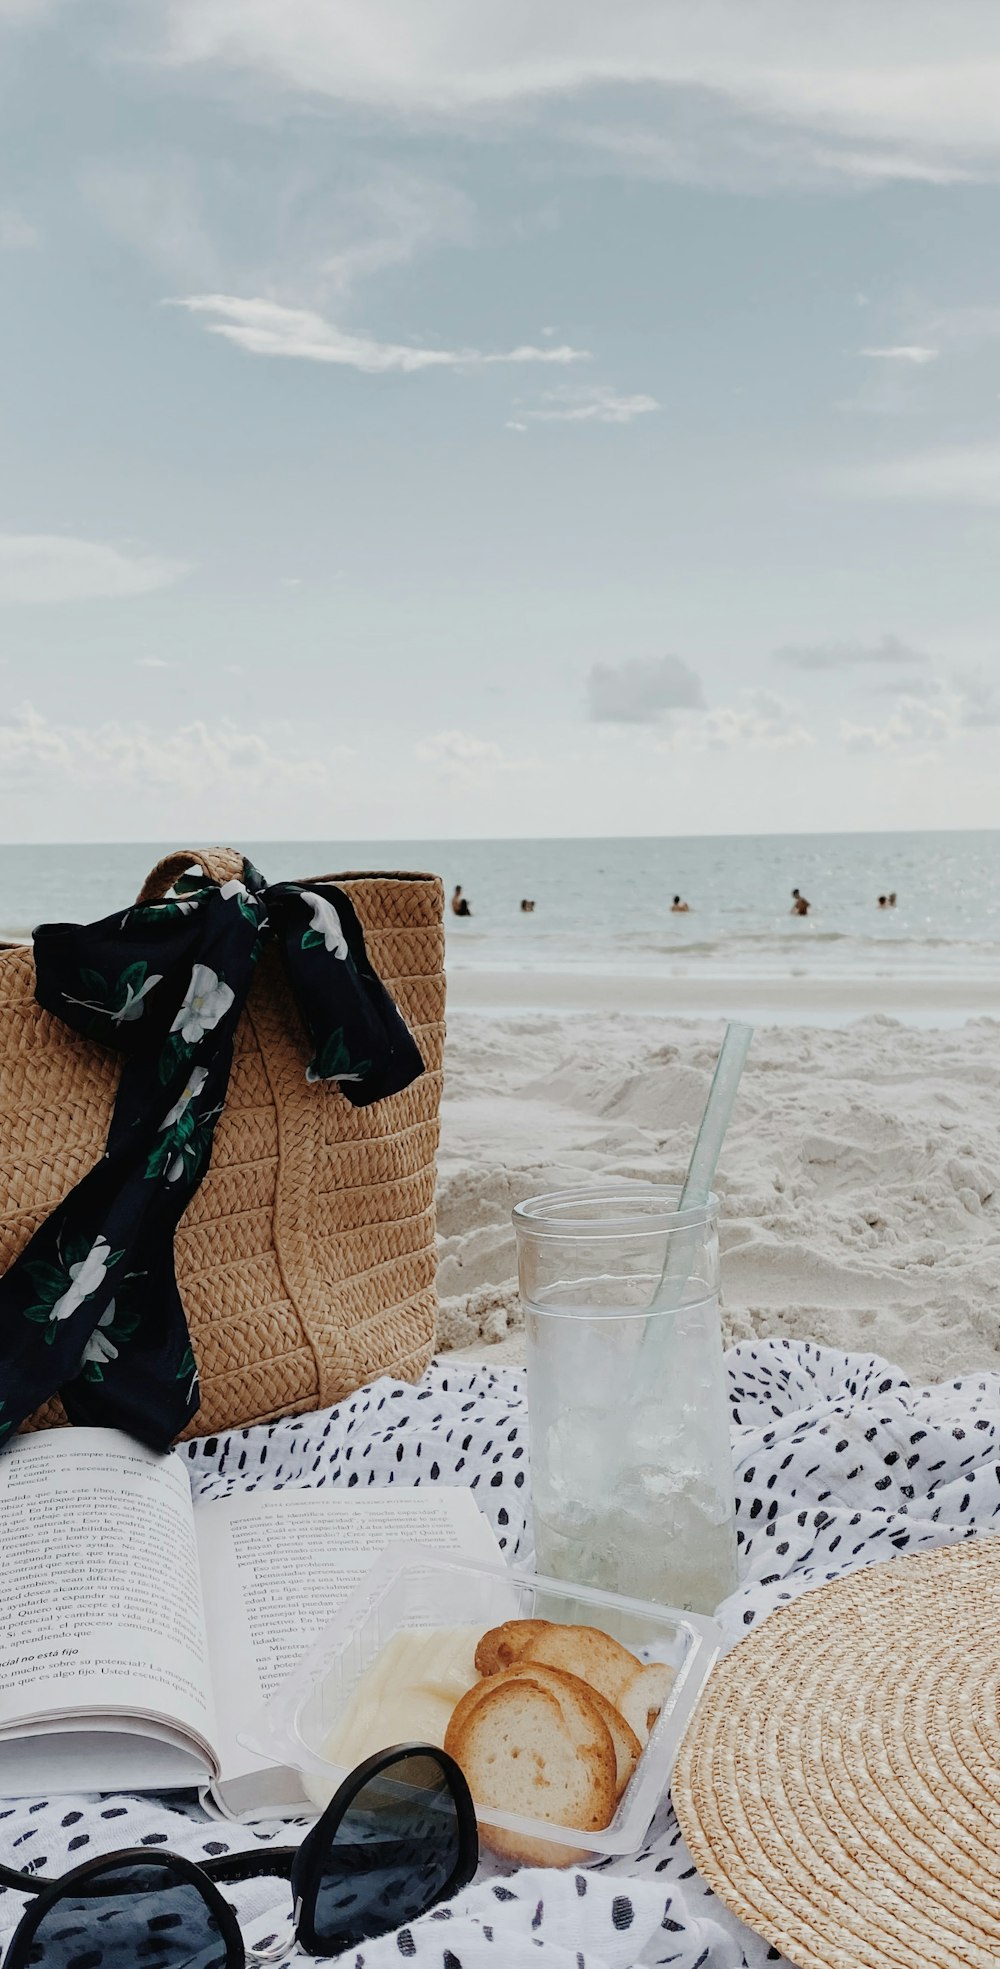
(814, 1432)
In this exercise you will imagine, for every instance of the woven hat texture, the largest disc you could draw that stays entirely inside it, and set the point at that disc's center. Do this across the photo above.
(306, 1259)
(839, 1785)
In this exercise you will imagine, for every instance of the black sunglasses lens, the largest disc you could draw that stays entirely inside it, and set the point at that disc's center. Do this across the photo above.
(393, 1855)
(130, 1917)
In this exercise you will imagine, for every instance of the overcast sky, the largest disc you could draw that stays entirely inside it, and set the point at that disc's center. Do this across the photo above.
(473, 417)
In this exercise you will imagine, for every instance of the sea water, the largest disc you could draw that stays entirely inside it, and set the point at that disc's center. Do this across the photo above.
(604, 905)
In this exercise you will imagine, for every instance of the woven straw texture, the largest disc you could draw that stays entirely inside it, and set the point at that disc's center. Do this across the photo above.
(839, 1786)
(306, 1259)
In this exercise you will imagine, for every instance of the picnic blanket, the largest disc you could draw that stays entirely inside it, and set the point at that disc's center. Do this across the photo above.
(839, 1463)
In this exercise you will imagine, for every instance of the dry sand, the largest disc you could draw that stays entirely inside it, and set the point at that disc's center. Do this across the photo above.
(860, 1181)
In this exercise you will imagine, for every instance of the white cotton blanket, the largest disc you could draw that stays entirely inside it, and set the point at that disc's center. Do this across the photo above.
(839, 1463)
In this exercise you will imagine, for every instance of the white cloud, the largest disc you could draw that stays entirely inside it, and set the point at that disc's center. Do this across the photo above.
(387, 221)
(135, 758)
(17, 234)
(886, 653)
(913, 722)
(51, 567)
(152, 663)
(709, 140)
(919, 81)
(266, 328)
(960, 475)
(979, 698)
(464, 759)
(912, 352)
(597, 404)
(964, 328)
(640, 690)
(156, 210)
(759, 721)
(888, 165)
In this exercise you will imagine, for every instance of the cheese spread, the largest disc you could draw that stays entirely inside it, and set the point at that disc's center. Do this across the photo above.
(407, 1694)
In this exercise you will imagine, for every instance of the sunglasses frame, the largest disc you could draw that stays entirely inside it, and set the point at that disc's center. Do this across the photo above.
(303, 1865)
(54, 1891)
(308, 1865)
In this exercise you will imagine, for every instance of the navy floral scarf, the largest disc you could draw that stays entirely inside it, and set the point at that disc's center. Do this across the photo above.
(91, 1308)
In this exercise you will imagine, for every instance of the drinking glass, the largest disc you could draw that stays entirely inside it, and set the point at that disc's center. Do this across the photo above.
(628, 1413)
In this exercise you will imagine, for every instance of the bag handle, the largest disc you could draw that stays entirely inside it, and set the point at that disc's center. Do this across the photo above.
(220, 865)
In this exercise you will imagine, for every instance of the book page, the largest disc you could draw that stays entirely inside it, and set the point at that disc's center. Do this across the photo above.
(99, 1584)
(276, 1566)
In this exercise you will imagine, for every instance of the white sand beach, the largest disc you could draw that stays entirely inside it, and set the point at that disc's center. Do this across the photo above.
(860, 1180)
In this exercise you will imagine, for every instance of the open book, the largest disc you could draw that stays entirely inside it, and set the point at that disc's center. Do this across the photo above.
(141, 1632)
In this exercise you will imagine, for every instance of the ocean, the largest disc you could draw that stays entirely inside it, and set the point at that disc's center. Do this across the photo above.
(603, 906)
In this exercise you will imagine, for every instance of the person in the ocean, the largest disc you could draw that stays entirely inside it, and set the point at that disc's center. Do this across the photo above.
(459, 905)
(892, 899)
(679, 908)
(800, 907)
(883, 902)
(527, 907)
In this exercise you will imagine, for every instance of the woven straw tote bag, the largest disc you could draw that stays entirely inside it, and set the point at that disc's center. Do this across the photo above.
(306, 1259)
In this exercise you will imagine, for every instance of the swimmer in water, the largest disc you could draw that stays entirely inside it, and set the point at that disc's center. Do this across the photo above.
(800, 907)
(459, 906)
(679, 908)
(527, 907)
(883, 902)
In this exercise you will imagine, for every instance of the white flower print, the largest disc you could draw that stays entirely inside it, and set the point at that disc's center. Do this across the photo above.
(100, 1347)
(234, 888)
(206, 1001)
(86, 1277)
(326, 923)
(133, 1008)
(196, 1081)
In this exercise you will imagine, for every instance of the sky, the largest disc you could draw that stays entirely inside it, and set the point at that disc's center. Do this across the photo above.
(532, 418)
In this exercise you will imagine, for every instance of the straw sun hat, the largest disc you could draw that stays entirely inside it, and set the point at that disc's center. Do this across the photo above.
(839, 1786)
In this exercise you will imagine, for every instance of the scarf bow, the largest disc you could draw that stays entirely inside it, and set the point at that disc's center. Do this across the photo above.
(90, 1309)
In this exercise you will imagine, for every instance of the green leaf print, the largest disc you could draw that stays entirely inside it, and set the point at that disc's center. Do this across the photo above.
(122, 1002)
(333, 1061)
(175, 1050)
(48, 1279)
(113, 1329)
(188, 1371)
(182, 1148)
(61, 1289)
(134, 976)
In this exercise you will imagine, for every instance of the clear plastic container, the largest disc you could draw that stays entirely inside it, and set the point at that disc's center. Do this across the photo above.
(413, 1588)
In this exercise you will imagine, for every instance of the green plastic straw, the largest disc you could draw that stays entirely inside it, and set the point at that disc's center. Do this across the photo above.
(682, 1245)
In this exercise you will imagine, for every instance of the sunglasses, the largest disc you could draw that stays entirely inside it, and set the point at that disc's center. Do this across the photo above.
(398, 1837)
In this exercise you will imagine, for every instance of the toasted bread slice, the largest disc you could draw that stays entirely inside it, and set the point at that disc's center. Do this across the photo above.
(502, 1645)
(644, 1696)
(588, 1653)
(526, 1750)
(628, 1749)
